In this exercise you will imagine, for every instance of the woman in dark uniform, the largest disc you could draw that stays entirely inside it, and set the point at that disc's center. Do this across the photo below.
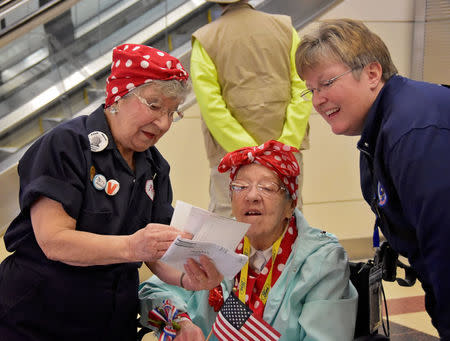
(94, 196)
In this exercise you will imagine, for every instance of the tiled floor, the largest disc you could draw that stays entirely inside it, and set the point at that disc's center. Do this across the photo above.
(407, 315)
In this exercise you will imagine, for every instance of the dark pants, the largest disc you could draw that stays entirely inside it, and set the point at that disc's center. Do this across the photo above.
(59, 302)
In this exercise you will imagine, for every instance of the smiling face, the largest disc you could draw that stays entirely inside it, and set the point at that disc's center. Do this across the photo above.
(136, 127)
(268, 215)
(344, 104)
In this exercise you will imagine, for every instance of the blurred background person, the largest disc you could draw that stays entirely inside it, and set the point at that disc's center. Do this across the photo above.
(247, 87)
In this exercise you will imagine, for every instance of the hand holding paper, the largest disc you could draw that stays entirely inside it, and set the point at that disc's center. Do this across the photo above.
(214, 236)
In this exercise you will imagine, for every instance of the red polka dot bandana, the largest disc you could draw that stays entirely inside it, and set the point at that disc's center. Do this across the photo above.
(134, 65)
(272, 154)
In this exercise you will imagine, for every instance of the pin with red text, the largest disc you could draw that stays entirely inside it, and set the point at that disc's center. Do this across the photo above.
(98, 141)
(149, 189)
(99, 182)
(112, 187)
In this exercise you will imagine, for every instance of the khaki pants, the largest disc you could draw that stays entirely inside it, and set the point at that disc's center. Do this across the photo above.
(219, 192)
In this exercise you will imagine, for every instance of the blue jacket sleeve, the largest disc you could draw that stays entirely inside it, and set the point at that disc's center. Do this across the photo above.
(331, 295)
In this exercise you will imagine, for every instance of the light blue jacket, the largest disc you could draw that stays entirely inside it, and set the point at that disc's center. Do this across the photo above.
(312, 299)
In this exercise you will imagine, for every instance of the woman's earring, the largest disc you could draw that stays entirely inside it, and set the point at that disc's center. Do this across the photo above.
(113, 110)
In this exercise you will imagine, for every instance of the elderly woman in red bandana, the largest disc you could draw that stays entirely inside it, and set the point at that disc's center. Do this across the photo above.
(296, 283)
(95, 196)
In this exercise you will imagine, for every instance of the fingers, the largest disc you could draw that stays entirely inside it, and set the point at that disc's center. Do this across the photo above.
(151, 242)
(202, 275)
(208, 266)
(186, 235)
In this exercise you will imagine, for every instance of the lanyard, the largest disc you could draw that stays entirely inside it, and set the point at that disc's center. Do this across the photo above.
(244, 271)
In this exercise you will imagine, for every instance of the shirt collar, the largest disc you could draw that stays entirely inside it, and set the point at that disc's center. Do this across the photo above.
(97, 122)
(235, 6)
(374, 119)
(254, 261)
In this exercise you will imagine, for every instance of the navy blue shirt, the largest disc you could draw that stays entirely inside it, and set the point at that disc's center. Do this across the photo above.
(61, 166)
(50, 300)
(405, 175)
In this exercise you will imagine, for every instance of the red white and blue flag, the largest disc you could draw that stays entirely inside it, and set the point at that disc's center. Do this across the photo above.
(236, 322)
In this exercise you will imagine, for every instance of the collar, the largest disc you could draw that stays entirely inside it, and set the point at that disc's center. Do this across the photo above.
(236, 6)
(258, 259)
(97, 122)
(375, 117)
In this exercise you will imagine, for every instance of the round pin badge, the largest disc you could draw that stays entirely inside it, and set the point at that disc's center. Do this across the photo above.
(98, 141)
(99, 182)
(112, 187)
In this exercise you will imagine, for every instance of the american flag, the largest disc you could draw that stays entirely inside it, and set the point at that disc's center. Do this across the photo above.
(236, 322)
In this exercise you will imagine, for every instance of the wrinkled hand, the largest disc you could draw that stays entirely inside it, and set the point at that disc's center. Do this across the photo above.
(150, 243)
(189, 332)
(203, 276)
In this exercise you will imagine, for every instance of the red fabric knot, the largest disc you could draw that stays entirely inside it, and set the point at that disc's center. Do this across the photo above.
(215, 298)
(134, 65)
(271, 154)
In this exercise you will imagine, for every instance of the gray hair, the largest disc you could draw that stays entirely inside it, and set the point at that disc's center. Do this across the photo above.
(171, 88)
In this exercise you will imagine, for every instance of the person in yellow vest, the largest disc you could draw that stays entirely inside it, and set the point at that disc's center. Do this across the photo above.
(245, 80)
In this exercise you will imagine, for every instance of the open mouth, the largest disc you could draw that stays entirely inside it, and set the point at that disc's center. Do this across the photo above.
(331, 112)
(252, 213)
(149, 135)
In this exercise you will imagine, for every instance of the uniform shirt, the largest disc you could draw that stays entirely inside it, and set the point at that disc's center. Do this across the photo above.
(312, 299)
(50, 300)
(61, 165)
(405, 172)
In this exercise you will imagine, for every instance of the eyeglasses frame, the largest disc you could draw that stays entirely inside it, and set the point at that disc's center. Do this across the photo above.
(258, 188)
(310, 92)
(176, 115)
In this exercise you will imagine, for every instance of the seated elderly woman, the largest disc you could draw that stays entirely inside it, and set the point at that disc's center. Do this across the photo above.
(297, 277)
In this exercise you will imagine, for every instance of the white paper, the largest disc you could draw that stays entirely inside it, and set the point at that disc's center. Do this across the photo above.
(213, 235)
(227, 262)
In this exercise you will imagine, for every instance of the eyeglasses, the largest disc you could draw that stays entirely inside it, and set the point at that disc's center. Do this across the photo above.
(307, 95)
(267, 189)
(174, 116)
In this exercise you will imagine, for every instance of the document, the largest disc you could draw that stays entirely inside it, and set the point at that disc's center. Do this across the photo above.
(213, 235)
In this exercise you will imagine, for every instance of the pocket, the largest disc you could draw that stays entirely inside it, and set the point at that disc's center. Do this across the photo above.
(94, 221)
(18, 284)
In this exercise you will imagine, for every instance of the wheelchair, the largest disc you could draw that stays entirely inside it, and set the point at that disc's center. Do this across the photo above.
(367, 278)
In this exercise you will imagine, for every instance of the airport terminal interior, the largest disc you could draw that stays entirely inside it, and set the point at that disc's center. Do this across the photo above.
(55, 57)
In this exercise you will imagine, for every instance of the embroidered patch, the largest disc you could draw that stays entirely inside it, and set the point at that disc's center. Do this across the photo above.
(382, 196)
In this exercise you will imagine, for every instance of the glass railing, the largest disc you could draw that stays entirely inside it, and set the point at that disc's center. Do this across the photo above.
(51, 72)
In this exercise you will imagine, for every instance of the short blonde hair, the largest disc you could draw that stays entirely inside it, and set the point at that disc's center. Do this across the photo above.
(344, 40)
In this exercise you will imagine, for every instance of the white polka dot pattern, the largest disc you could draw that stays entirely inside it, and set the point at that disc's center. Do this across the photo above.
(133, 65)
